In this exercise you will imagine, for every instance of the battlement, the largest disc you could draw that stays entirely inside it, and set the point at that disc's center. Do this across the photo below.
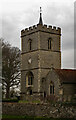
(43, 28)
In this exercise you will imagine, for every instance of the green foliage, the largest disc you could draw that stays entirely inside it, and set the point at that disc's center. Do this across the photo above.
(33, 118)
(69, 103)
(10, 100)
(25, 101)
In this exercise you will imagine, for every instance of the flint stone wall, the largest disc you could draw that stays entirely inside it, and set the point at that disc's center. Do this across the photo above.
(43, 109)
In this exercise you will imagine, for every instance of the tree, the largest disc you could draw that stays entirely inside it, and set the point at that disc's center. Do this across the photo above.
(10, 67)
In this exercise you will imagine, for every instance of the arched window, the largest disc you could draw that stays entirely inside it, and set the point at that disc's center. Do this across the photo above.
(49, 43)
(29, 79)
(51, 88)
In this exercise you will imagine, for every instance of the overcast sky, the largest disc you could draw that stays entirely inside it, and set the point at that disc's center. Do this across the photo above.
(16, 15)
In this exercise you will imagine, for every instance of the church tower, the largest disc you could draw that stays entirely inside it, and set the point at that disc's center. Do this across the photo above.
(40, 51)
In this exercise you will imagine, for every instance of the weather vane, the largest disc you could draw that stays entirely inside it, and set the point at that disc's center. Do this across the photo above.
(40, 10)
(40, 20)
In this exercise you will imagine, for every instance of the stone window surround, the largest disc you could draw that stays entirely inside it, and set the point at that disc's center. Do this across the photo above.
(49, 43)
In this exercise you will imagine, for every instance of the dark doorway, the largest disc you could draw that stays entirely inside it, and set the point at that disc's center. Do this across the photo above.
(44, 94)
(30, 92)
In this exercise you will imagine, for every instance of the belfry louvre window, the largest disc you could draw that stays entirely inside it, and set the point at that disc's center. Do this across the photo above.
(49, 43)
(30, 44)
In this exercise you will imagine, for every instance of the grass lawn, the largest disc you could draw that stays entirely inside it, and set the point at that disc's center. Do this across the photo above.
(11, 117)
(25, 101)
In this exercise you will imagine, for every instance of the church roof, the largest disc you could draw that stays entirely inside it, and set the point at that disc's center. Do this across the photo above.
(66, 75)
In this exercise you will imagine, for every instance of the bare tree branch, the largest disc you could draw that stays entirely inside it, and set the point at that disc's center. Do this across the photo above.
(10, 66)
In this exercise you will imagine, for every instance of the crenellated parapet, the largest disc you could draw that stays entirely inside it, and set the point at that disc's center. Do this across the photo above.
(43, 28)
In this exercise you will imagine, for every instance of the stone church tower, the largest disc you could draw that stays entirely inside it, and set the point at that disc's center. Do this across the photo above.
(40, 51)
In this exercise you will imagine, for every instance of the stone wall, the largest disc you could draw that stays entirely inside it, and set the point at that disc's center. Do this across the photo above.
(46, 110)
